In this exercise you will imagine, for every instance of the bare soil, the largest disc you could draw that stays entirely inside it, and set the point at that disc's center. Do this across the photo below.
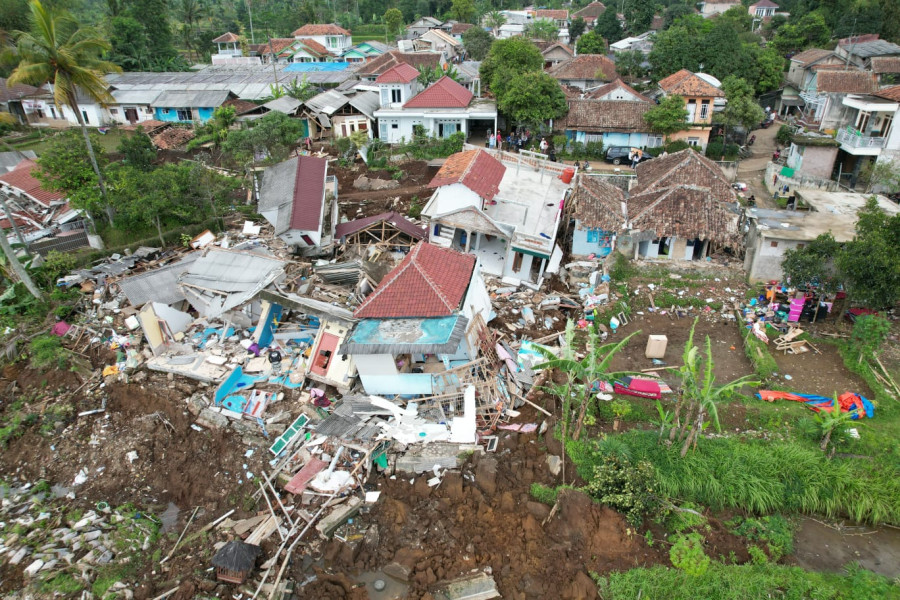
(357, 204)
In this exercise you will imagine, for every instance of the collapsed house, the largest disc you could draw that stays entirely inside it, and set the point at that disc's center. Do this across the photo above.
(415, 323)
(681, 208)
(507, 214)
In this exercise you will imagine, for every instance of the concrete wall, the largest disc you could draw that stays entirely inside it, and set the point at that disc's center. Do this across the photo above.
(379, 375)
(345, 125)
(763, 260)
(95, 116)
(453, 197)
(582, 247)
(702, 134)
(802, 182)
(813, 161)
(404, 126)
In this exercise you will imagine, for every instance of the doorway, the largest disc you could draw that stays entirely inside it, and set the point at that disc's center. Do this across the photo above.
(131, 115)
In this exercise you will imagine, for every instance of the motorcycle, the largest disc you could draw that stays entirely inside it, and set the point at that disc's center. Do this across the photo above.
(751, 140)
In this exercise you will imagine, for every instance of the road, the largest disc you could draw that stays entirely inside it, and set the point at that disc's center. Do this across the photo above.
(752, 170)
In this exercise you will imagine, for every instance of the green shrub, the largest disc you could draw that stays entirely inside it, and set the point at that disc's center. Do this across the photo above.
(687, 554)
(677, 146)
(774, 530)
(784, 135)
(679, 521)
(625, 486)
(763, 362)
(47, 352)
(543, 493)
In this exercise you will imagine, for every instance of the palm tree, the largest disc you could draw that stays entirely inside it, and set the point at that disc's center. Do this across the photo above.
(495, 20)
(60, 52)
(189, 12)
(542, 29)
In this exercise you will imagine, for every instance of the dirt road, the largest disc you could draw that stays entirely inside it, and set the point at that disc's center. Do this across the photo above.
(752, 170)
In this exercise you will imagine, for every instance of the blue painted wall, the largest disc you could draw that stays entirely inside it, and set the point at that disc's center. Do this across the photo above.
(401, 383)
(593, 241)
(201, 114)
(638, 140)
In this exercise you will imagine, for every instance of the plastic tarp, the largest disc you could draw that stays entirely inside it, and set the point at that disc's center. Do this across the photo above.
(848, 401)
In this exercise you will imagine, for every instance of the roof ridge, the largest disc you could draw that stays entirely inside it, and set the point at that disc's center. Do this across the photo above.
(431, 283)
(384, 285)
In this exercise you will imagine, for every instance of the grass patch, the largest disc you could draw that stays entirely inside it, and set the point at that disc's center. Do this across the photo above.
(543, 493)
(764, 365)
(746, 582)
(622, 269)
(761, 476)
(61, 583)
(47, 352)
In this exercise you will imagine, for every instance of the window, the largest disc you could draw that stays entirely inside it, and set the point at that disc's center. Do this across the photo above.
(396, 95)
(39, 112)
(654, 141)
(517, 262)
(333, 41)
(114, 111)
(692, 111)
(185, 114)
(593, 236)
(704, 110)
(85, 117)
(773, 244)
(395, 126)
(692, 141)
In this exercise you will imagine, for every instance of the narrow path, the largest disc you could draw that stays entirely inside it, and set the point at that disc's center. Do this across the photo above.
(752, 170)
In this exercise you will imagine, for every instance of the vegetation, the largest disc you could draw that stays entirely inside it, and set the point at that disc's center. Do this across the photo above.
(591, 43)
(544, 494)
(269, 141)
(764, 365)
(542, 29)
(668, 117)
(687, 554)
(532, 98)
(626, 486)
(477, 43)
(776, 532)
(741, 109)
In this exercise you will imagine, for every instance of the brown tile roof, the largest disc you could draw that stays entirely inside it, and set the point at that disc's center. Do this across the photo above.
(275, 46)
(226, 37)
(828, 66)
(443, 93)
(460, 28)
(556, 45)
(402, 73)
(394, 218)
(172, 138)
(858, 39)
(657, 23)
(686, 166)
(591, 11)
(764, 4)
(685, 83)
(309, 187)
(22, 178)
(685, 211)
(382, 63)
(607, 115)
(16, 92)
(241, 107)
(315, 47)
(320, 29)
(430, 282)
(475, 169)
(556, 15)
(811, 55)
(585, 66)
(614, 85)
(845, 82)
(571, 92)
(885, 64)
(599, 204)
(890, 93)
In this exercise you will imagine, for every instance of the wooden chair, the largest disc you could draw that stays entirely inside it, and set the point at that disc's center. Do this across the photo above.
(795, 347)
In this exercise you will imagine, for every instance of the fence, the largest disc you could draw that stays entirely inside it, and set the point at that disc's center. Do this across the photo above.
(522, 159)
(65, 243)
(799, 182)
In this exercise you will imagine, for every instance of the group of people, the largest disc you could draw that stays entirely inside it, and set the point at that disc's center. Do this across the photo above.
(517, 140)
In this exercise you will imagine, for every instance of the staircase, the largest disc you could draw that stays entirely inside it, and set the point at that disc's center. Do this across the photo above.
(444, 236)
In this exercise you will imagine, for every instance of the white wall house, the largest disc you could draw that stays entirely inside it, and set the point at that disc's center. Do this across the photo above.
(442, 109)
(334, 37)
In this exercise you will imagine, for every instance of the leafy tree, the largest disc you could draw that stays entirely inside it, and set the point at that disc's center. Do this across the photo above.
(870, 264)
(669, 117)
(542, 29)
(674, 49)
(740, 109)
(533, 98)
(509, 57)
(129, 44)
(608, 27)
(737, 17)
(393, 21)
(870, 332)
(630, 63)
(428, 76)
(63, 169)
(464, 11)
(139, 150)
(153, 15)
(272, 136)
(576, 28)
(477, 42)
(771, 70)
(59, 52)
(638, 16)
(722, 54)
(810, 31)
(300, 90)
(675, 12)
(495, 20)
(13, 15)
(813, 264)
(883, 176)
(591, 43)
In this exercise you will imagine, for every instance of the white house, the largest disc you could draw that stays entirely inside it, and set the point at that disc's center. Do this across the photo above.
(425, 314)
(334, 37)
(764, 9)
(299, 199)
(505, 213)
(442, 42)
(442, 109)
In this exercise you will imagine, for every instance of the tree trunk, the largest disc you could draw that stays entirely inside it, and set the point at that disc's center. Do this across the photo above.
(159, 230)
(825, 440)
(90, 149)
(18, 269)
(584, 403)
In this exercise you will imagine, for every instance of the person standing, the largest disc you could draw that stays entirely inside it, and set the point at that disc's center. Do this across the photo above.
(492, 141)
(544, 145)
(499, 140)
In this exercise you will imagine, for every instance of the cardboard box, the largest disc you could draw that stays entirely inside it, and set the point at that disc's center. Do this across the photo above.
(656, 346)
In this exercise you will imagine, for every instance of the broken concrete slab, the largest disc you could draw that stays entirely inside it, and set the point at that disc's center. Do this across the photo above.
(480, 586)
(212, 419)
(328, 524)
(423, 458)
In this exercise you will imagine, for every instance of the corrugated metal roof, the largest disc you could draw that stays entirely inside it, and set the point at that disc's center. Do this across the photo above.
(135, 96)
(158, 285)
(193, 99)
(285, 104)
(327, 102)
(366, 103)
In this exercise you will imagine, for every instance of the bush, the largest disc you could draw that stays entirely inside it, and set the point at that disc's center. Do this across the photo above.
(763, 362)
(543, 493)
(774, 530)
(784, 135)
(687, 554)
(677, 146)
(47, 352)
(624, 486)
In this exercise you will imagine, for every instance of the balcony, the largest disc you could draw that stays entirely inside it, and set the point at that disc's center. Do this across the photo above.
(854, 142)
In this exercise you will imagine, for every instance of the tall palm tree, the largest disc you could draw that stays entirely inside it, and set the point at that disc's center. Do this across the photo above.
(60, 52)
(189, 12)
(495, 20)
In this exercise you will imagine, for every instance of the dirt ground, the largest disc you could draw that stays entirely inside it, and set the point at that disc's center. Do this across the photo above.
(356, 204)
(821, 547)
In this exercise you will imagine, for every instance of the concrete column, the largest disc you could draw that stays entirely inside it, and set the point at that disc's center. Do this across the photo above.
(468, 240)
(477, 240)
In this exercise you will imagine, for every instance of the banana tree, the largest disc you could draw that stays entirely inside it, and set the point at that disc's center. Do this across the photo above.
(700, 395)
(830, 420)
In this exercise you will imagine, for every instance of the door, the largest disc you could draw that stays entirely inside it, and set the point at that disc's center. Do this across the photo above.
(689, 250)
(131, 115)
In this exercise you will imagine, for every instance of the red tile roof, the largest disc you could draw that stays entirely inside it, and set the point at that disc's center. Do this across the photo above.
(320, 29)
(309, 188)
(240, 106)
(22, 179)
(460, 28)
(764, 4)
(890, 93)
(394, 218)
(430, 282)
(443, 93)
(687, 84)
(557, 15)
(811, 55)
(885, 64)
(402, 73)
(475, 169)
(315, 47)
(380, 64)
(275, 45)
(591, 11)
(225, 38)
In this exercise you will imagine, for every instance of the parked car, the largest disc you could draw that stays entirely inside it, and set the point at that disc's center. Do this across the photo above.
(619, 154)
